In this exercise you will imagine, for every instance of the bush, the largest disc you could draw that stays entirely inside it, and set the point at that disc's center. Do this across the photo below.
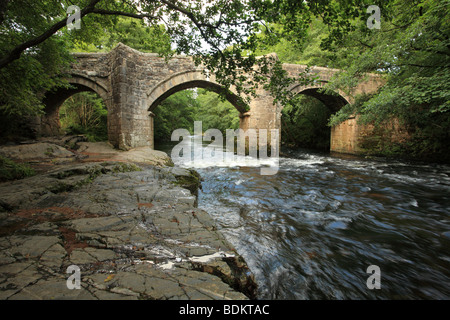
(9, 170)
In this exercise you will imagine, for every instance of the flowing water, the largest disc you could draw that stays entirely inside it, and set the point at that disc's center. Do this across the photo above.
(312, 230)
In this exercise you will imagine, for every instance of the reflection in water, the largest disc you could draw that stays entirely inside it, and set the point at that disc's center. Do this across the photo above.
(311, 231)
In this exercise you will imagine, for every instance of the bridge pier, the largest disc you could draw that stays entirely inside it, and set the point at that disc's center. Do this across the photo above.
(345, 136)
(130, 124)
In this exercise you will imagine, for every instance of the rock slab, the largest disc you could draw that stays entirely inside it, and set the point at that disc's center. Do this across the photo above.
(132, 231)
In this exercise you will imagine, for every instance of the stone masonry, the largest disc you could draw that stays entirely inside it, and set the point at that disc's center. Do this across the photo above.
(133, 83)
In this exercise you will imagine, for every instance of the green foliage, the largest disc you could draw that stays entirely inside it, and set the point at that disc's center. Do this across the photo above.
(432, 141)
(215, 113)
(177, 111)
(139, 36)
(85, 113)
(125, 167)
(349, 110)
(304, 124)
(181, 109)
(35, 40)
(24, 82)
(192, 181)
(412, 52)
(307, 52)
(10, 170)
(131, 32)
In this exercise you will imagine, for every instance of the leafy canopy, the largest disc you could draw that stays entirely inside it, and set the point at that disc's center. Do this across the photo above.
(410, 52)
(34, 39)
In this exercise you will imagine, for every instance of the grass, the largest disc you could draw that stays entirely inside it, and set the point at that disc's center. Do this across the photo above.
(10, 170)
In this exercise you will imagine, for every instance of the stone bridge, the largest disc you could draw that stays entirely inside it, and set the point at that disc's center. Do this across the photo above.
(133, 83)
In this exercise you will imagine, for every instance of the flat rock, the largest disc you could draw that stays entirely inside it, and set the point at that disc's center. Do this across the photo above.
(144, 155)
(35, 151)
(132, 230)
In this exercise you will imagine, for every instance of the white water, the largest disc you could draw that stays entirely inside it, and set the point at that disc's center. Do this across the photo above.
(311, 230)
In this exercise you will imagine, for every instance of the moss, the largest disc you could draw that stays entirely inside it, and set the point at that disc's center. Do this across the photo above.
(125, 167)
(236, 274)
(70, 173)
(72, 146)
(61, 187)
(9, 170)
(192, 182)
(49, 152)
(89, 173)
(169, 163)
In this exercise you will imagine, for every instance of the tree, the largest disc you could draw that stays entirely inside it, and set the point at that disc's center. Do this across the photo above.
(215, 113)
(28, 27)
(131, 32)
(412, 52)
(215, 33)
(85, 113)
(177, 111)
(308, 52)
(304, 123)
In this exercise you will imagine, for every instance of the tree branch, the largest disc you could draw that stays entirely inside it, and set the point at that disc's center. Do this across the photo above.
(202, 26)
(121, 13)
(365, 44)
(197, 23)
(15, 53)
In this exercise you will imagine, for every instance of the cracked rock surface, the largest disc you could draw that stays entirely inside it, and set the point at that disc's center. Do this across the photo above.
(133, 231)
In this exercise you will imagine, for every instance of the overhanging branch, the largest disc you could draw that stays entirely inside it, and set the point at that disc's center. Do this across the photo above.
(125, 14)
(16, 53)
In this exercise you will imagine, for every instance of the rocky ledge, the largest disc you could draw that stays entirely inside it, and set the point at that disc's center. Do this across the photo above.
(131, 230)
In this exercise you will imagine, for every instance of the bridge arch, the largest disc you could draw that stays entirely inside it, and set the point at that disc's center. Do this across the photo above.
(309, 129)
(187, 80)
(333, 101)
(53, 100)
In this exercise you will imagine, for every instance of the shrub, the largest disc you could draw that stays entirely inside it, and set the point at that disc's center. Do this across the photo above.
(9, 170)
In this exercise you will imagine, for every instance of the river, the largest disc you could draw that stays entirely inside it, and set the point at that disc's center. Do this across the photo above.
(312, 230)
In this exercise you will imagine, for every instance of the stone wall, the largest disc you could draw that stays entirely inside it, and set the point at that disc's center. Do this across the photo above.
(375, 139)
(344, 137)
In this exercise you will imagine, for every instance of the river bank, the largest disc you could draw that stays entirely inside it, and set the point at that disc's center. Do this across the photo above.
(127, 220)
